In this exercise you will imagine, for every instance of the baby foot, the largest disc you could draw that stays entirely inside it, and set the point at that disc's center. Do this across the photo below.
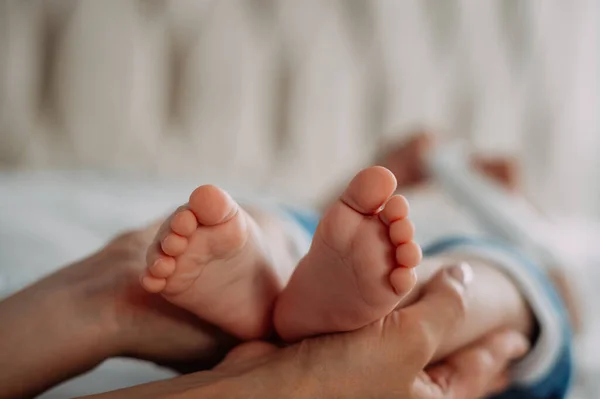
(359, 265)
(209, 257)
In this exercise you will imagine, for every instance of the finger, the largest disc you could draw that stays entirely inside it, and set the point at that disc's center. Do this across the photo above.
(245, 352)
(471, 373)
(425, 323)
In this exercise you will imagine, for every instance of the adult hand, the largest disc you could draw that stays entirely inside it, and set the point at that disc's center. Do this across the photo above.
(145, 325)
(385, 359)
(73, 320)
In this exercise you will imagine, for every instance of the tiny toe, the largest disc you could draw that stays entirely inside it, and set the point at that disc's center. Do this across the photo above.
(402, 231)
(409, 254)
(184, 223)
(369, 190)
(163, 267)
(153, 252)
(211, 205)
(395, 209)
(174, 245)
(403, 280)
(153, 284)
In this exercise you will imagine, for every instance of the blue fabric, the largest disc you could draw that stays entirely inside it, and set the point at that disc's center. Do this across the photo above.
(306, 218)
(556, 383)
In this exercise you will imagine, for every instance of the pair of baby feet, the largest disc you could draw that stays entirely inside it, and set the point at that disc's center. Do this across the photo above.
(210, 258)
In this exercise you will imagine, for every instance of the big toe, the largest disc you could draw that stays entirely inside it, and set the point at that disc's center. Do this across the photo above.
(211, 205)
(369, 190)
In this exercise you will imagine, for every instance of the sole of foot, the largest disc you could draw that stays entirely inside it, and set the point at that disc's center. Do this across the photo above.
(360, 264)
(210, 258)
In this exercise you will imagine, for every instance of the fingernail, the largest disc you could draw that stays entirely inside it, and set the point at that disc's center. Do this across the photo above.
(462, 272)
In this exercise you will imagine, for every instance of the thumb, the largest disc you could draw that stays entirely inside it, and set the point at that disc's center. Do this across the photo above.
(246, 352)
(442, 305)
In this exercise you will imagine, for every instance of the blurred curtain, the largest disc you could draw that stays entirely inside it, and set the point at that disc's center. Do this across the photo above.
(291, 96)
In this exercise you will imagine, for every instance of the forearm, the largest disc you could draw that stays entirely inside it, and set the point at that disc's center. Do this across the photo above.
(197, 385)
(47, 335)
(209, 385)
(494, 303)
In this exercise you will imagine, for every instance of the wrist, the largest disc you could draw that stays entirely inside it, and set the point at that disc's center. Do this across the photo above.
(85, 306)
(89, 292)
(108, 288)
(51, 334)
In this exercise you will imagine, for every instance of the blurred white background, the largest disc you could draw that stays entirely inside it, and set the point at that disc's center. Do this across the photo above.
(290, 96)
